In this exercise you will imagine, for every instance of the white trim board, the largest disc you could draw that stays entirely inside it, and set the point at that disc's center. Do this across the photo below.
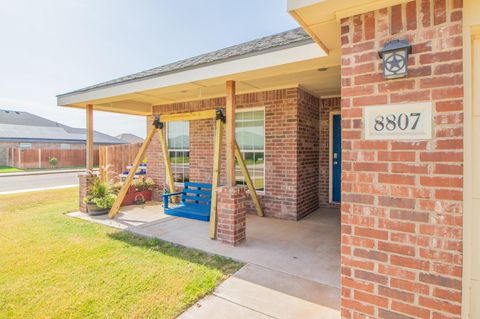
(251, 63)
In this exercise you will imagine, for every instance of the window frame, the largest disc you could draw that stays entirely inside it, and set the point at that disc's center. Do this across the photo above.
(253, 109)
(238, 110)
(178, 150)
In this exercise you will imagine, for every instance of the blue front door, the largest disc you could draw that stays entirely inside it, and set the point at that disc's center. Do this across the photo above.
(336, 158)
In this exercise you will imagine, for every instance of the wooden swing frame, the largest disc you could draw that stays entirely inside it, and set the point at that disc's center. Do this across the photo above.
(159, 126)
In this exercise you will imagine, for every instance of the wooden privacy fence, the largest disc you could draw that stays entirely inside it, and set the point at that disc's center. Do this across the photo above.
(39, 158)
(114, 159)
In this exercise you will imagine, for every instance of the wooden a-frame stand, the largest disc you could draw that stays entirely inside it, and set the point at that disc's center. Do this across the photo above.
(159, 126)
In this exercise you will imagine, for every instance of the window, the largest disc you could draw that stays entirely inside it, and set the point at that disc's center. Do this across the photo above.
(250, 135)
(25, 145)
(179, 150)
(65, 146)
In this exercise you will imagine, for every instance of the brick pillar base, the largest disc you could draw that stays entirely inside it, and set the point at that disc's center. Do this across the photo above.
(231, 214)
(84, 181)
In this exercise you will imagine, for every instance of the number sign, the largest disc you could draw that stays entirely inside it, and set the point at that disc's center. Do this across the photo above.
(398, 122)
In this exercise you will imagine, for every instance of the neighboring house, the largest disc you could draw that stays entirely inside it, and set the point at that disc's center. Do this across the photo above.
(321, 125)
(130, 138)
(25, 130)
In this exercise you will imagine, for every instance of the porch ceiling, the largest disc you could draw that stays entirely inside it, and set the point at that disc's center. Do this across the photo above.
(311, 69)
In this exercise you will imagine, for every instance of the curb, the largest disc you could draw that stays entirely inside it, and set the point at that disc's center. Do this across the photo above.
(43, 172)
(20, 191)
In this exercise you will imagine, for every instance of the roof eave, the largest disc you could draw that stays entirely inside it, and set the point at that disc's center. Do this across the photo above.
(180, 70)
(299, 51)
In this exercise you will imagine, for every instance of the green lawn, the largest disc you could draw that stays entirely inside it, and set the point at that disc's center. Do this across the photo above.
(54, 266)
(8, 169)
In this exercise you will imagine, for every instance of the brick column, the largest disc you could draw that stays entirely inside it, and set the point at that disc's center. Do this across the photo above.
(156, 169)
(402, 200)
(232, 212)
(84, 181)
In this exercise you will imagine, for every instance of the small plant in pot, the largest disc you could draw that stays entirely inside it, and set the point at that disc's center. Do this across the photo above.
(146, 184)
(99, 197)
(140, 188)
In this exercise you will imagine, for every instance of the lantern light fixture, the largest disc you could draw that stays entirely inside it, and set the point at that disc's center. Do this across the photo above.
(395, 58)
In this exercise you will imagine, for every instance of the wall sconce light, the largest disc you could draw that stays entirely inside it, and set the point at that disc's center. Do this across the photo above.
(395, 58)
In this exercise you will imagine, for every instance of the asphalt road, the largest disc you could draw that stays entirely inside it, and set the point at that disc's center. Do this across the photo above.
(17, 183)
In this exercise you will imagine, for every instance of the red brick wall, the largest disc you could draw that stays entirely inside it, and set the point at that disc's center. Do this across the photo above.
(84, 180)
(231, 228)
(291, 148)
(308, 152)
(326, 106)
(402, 201)
(202, 135)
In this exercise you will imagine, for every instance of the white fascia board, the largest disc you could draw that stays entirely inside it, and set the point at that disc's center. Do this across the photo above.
(260, 61)
(298, 4)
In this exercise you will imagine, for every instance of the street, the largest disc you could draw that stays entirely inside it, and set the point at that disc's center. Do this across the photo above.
(19, 183)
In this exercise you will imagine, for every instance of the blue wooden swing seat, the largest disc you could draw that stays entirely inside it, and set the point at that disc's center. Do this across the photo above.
(194, 204)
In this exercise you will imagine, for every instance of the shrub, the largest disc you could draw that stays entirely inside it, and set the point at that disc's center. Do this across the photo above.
(100, 193)
(149, 183)
(115, 188)
(105, 202)
(53, 161)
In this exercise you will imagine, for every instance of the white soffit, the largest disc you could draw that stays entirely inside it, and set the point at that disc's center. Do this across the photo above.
(251, 63)
(321, 18)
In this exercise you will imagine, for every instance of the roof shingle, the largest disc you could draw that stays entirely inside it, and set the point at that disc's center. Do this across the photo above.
(274, 42)
(24, 126)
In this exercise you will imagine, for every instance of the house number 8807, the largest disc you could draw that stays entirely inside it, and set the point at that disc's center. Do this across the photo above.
(392, 122)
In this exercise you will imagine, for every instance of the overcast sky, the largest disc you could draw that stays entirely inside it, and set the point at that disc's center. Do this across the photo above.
(50, 47)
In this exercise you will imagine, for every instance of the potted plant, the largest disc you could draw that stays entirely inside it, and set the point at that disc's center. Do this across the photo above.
(99, 197)
(141, 188)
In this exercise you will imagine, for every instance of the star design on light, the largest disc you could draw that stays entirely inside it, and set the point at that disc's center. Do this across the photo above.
(395, 63)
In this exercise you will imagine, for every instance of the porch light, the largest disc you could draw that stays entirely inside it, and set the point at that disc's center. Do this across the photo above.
(395, 58)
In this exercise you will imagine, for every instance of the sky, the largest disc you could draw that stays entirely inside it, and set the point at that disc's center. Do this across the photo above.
(49, 47)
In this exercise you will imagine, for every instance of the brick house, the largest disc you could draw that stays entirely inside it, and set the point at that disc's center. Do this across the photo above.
(23, 130)
(320, 124)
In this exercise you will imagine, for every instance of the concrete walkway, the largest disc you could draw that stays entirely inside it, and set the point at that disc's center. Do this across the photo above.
(257, 292)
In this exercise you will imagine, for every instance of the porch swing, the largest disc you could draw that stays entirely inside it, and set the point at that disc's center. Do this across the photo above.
(198, 200)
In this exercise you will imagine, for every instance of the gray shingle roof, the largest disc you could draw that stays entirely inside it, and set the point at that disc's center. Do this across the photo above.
(23, 126)
(130, 138)
(274, 42)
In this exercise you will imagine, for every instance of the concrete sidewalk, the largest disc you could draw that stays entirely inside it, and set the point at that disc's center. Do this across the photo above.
(43, 172)
(258, 292)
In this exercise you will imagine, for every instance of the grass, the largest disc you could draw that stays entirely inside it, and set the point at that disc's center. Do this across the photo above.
(54, 266)
(9, 169)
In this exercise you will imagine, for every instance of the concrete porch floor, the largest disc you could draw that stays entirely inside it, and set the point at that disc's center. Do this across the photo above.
(305, 252)
(309, 248)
